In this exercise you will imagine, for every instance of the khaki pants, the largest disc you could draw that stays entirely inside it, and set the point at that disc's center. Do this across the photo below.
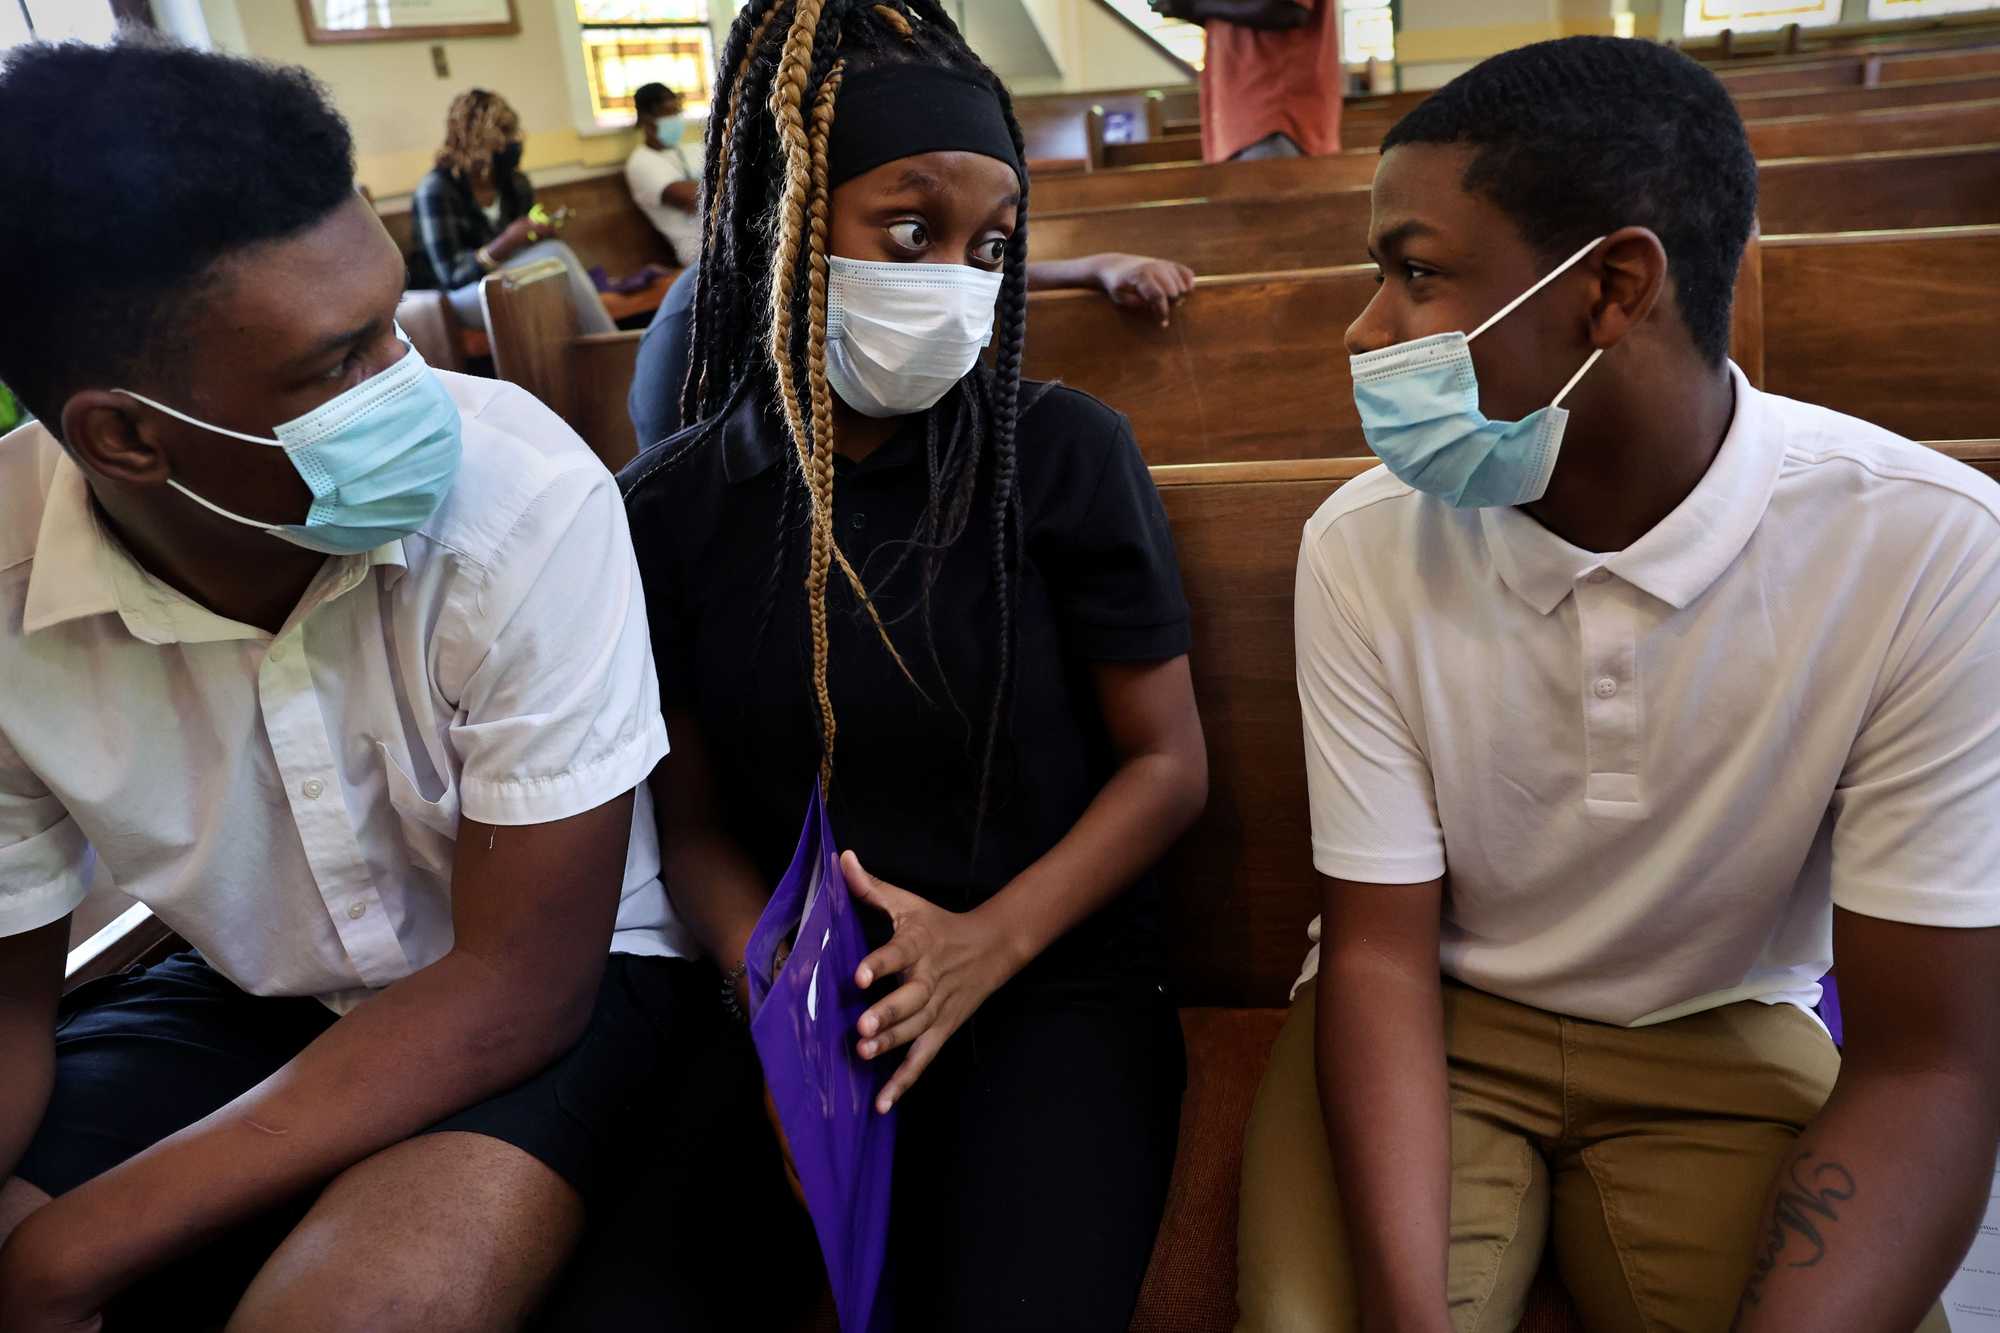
(1642, 1154)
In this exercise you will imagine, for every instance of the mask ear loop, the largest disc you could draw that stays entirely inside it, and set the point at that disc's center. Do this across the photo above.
(195, 421)
(1548, 278)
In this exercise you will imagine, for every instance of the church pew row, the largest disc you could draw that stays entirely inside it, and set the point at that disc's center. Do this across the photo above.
(1361, 132)
(1896, 327)
(1861, 69)
(1895, 129)
(1935, 125)
(1929, 187)
(1778, 48)
(1237, 890)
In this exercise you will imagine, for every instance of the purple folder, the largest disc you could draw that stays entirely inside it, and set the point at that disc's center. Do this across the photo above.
(803, 1025)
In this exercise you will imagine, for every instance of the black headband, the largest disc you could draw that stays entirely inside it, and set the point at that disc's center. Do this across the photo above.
(902, 109)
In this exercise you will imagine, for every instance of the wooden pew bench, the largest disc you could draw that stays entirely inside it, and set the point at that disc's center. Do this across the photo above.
(1943, 125)
(1924, 187)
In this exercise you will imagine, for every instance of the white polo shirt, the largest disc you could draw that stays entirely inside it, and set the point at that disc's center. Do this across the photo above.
(1650, 775)
(289, 804)
(650, 170)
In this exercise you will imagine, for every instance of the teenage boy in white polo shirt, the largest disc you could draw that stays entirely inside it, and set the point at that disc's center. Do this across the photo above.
(1639, 720)
(360, 716)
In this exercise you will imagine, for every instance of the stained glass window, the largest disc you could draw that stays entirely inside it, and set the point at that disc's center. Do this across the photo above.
(630, 43)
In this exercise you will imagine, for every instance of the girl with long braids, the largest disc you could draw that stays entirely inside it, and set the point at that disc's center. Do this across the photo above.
(950, 597)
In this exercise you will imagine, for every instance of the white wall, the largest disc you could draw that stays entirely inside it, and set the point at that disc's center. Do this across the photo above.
(396, 102)
(1093, 48)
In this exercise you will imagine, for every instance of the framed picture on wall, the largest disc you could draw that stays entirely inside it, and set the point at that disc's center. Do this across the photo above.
(405, 20)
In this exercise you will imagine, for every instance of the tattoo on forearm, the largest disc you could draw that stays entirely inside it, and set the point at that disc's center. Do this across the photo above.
(1808, 1198)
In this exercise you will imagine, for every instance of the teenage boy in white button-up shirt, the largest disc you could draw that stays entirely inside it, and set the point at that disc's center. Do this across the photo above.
(1638, 749)
(370, 747)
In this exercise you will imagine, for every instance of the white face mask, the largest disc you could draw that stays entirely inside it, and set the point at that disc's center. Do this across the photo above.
(898, 336)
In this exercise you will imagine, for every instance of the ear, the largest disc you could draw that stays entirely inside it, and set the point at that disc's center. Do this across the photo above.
(107, 434)
(1632, 276)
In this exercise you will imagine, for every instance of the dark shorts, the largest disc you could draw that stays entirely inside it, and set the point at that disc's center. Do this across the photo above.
(142, 1055)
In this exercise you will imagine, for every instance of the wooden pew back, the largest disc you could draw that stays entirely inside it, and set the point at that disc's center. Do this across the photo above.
(1899, 328)
(1919, 187)
(1929, 187)
(1888, 130)
(1268, 179)
(1917, 92)
(1240, 886)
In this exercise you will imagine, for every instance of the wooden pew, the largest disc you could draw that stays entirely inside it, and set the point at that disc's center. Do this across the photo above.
(1916, 92)
(1218, 235)
(1921, 187)
(1917, 188)
(1899, 328)
(1271, 178)
(1890, 129)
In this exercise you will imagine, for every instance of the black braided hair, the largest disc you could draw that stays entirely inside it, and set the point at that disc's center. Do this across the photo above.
(972, 431)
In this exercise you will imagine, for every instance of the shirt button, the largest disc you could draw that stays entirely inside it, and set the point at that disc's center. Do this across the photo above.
(357, 911)
(313, 788)
(1598, 576)
(277, 653)
(858, 522)
(1606, 687)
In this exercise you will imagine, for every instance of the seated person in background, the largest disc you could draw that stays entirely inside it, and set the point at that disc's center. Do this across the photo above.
(664, 174)
(1638, 714)
(472, 212)
(1017, 735)
(341, 665)
(1154, 286)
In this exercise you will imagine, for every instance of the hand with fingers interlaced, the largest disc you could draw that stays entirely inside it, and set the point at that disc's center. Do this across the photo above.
(947, 962)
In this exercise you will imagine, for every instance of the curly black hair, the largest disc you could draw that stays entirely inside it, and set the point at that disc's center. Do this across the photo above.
(1578, 137)
(119, 207)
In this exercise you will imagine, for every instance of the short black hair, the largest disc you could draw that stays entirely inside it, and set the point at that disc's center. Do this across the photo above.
(650, 97)
(118, 207)
(1577, 137)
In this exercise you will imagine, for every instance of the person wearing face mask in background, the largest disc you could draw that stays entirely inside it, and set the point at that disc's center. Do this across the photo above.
(1634, 699)
(664, 171)
(959, 591)
(341, 666)
(472, 213)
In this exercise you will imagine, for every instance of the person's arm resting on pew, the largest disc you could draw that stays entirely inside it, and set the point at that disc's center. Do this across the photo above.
(1135, 282)
(1878, 1200)
(532, 912)
(684, 195)
(1380, 1062)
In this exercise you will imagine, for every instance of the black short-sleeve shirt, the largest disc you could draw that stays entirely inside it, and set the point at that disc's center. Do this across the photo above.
(1098, 582)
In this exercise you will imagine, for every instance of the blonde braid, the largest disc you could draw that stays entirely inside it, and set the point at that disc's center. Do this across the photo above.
(787, 95)
(820, 394)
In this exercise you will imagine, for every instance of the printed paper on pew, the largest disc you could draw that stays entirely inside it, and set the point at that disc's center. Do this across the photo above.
(1972, 1300)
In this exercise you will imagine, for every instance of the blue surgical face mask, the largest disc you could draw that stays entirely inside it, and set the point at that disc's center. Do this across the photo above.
(1419, 404)
(669, 129)
(378, 459)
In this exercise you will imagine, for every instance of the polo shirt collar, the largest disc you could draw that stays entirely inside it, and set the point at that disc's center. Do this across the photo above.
(1682, 555)
(81, 569)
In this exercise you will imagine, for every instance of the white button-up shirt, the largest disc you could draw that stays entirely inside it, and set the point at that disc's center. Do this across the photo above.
(1649, 776)
(289, 803)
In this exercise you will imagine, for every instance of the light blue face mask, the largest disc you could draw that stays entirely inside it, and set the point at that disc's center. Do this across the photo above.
(378, 459)
(1419, 404)
(669, 129)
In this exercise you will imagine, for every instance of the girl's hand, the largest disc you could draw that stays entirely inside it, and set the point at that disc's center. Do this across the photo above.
(949, 963)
